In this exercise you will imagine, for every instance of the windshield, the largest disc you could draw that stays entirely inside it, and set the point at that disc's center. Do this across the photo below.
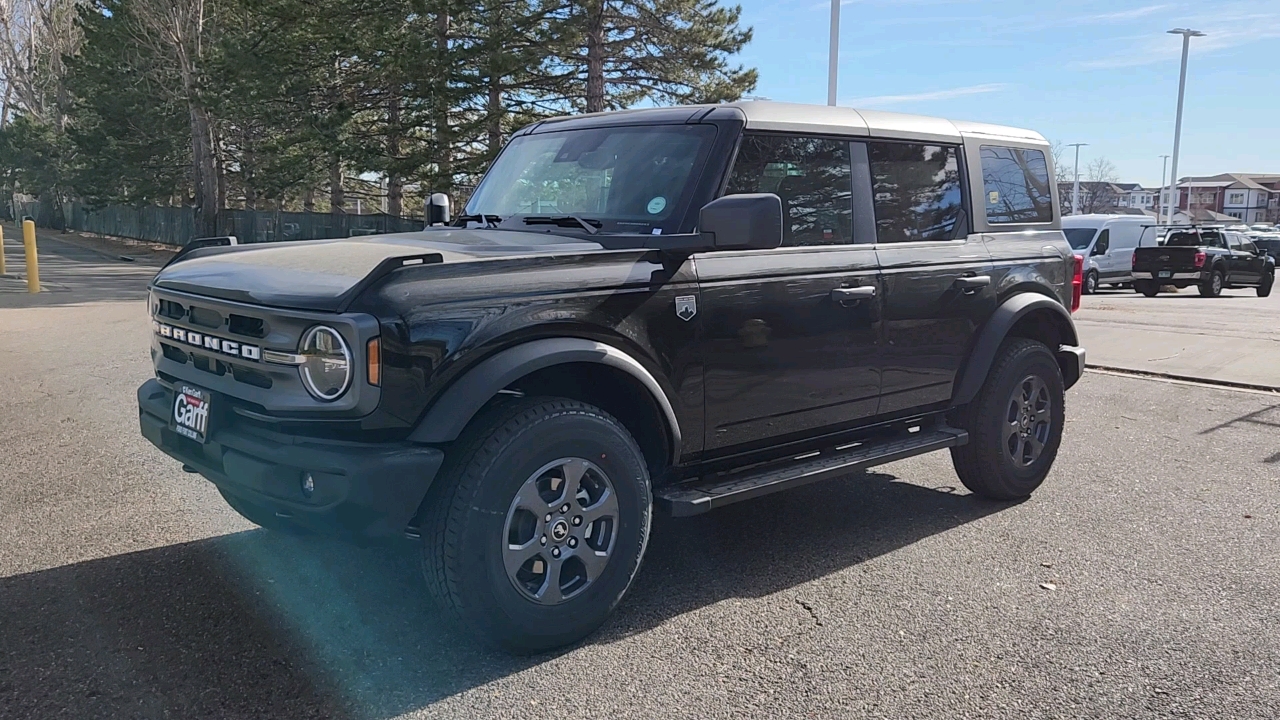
(1079, 237)
(628, 179)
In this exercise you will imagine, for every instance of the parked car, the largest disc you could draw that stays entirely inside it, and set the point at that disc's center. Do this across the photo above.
(1268, 243)
(683, 307)
(1107, 243)
(1209, 258)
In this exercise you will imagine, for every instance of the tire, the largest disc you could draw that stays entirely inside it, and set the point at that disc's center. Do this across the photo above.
(1090, 283)
(987, 464)
(264, 518)
(1264, 290)
(1146, 287)
(505, 463)
(1213, 286)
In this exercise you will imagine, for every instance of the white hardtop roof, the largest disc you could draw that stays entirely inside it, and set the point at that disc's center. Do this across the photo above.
(1097, 219)
(794, 117)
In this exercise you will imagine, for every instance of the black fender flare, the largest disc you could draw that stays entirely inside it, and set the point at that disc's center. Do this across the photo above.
(997, 328)
(454, 408)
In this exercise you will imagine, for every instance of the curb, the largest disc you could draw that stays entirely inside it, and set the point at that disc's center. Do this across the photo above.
(1211, 382)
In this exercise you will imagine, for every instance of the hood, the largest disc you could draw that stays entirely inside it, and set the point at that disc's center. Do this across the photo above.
(327, 274)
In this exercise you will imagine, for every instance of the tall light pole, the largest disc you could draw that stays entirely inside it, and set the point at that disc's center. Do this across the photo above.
(833, 53)
(1186, 34)
(1075, 189)
(1160, 205)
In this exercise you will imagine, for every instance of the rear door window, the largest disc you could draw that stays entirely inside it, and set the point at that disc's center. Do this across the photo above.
(1016, 185)
(812, 176)
(916, 191)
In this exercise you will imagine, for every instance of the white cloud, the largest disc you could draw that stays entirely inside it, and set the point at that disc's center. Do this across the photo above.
(1127, 14)
(1231, 26)
(948, 94)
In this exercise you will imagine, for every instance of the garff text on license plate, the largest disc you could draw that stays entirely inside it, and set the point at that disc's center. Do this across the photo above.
(191, 412)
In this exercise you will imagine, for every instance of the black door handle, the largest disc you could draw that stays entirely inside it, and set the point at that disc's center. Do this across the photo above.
(851, 295)
(971, 283)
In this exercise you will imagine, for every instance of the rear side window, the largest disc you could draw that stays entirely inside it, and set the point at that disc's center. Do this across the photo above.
(916, 191)
(812, 176)
(1016, 185)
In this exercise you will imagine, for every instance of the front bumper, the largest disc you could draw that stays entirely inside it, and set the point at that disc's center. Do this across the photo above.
(360, 489)
(1071, 360)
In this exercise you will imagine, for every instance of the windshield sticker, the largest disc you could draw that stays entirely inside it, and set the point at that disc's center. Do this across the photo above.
(657, 231)
(993, 197)
(657, 204)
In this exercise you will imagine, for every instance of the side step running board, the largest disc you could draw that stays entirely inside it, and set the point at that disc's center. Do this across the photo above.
(697, 497)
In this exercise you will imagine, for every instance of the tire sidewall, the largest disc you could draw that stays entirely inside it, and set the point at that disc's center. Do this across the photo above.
(1091, 282)
(1036, 360)
(482, 575)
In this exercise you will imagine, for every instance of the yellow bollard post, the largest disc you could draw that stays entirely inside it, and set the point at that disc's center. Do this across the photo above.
(3, 271)
(33, 262)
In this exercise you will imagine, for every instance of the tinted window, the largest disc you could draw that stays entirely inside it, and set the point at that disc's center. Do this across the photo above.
(1233, 240)
(1079, 237)
(812, 176)
(1185, 239)
(1016, 185)
(916, 190)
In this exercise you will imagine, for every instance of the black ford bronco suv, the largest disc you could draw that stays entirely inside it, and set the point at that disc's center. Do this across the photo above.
(677, 308)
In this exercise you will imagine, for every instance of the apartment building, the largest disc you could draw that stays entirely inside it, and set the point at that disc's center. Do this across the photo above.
(1247, 197)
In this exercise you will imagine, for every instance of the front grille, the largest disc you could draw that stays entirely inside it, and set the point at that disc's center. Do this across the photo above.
(251, 377)
(248, 326)
(177, 355)
(171, 309)
(208, 364)
(205, 317)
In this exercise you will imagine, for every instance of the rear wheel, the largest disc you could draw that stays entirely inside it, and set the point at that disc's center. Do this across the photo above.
(1213, 286)
(538, 524)
(1091, 282)
(1014, 424)
(1265, 288)
(1146, 287)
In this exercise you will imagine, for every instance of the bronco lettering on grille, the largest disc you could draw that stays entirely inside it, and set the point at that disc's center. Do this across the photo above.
(208, 342)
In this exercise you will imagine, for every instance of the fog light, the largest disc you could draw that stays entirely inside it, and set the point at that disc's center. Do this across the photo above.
(308, 485)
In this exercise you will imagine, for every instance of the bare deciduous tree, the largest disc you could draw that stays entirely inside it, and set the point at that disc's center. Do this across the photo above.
(35, 36)
(176, 31)
(1100, 176)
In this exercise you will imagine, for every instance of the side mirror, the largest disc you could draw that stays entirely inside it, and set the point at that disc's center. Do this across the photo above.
(437, 209)
(1101, 248)
(742, 222)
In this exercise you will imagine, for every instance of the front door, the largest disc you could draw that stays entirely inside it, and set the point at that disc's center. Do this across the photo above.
(1243, 266)
(937, 277)
(791, 334)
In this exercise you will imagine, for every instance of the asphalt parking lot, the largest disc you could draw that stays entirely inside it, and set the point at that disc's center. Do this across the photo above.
(1140, 581)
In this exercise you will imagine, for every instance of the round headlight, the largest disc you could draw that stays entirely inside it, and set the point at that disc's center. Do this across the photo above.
(326, 364)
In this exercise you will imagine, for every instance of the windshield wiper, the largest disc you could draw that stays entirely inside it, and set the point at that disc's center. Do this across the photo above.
(489, 221)
(591, 226)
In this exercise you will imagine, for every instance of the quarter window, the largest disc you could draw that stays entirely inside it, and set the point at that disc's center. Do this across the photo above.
(916, 191)
(812, 176)
(1016, 185)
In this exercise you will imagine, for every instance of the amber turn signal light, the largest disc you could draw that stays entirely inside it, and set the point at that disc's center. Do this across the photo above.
(373, 358)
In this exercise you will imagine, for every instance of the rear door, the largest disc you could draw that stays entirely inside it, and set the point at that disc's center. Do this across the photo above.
(936, 273)
(792, 334)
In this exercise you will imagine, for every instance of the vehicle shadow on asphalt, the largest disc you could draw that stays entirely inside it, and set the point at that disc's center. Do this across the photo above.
(262, 624)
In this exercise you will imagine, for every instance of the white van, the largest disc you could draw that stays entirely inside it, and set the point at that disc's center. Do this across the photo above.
(1107, 243)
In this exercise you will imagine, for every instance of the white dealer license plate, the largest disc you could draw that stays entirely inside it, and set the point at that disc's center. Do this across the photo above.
(1165, 273)
(191, 412)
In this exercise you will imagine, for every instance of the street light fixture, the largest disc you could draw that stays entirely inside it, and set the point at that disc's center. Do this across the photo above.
(833, 52)
(1186, 34)
(1075, 188)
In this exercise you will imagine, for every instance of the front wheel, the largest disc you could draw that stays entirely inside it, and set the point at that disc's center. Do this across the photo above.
(538, 524)
(1014, 423)
(1265, 288)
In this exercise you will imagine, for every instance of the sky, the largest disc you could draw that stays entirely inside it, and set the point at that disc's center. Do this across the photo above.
(1103, 73)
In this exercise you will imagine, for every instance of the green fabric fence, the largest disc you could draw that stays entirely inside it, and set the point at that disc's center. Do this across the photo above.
(177, 225)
